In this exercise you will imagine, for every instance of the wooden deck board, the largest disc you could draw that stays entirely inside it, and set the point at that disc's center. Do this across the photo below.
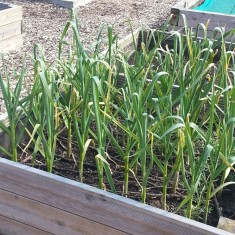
(96, 205)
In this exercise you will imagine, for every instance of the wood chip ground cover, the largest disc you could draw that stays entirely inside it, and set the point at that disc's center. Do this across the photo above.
(43, 24)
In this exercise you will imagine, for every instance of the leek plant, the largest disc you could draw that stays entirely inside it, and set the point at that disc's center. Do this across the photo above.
(45, 114)
(82, 96)
(11, 98)
(76, 84)
(101, 93)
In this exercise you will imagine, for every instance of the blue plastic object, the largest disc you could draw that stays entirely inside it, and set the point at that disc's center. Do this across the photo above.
(219, 6)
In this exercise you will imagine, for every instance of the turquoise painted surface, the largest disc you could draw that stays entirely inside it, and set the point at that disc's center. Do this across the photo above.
(220, 6)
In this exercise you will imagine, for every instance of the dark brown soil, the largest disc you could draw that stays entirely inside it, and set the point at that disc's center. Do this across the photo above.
(68, 167)
(227, 203)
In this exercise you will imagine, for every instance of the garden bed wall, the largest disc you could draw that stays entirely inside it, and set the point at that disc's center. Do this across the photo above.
(36, 202)
(11, 36)
(195, 17)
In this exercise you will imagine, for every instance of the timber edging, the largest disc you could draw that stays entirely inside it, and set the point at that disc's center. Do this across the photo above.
(54, 205)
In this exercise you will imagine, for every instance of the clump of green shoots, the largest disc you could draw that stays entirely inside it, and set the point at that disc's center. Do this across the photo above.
(174, 111)
(44, 115)
(11, 98)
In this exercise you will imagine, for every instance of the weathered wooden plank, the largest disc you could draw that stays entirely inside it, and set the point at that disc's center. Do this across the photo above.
(126, 44)
(10, 15)
(12, 227)
(47, 218)
(10, 27)
(12, 43)
(206, 21)
(187, 4)
(195, 17)
(226, 224)
(94, 204)
(210, 33)
(202, 17)
(10, 30)
(174, 19)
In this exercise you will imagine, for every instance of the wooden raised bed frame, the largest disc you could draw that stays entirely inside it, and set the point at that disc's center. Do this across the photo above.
(11, 36)
(34, 202)
(194, 17)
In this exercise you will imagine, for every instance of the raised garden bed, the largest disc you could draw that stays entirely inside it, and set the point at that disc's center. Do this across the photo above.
(195, 17)
(36, 202)
(99, 210)
(11, 36)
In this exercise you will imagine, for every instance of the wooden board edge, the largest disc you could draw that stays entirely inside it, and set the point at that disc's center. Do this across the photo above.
(47, 218)
(125, 42)
(14, 8)
(11, 30)
(185, 4)
(167, 216)
(11, 6)
(215, 14)
(78, 3)
(10, 227)
(11, 44)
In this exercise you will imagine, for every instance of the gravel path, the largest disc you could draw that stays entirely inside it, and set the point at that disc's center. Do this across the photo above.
(43, 24)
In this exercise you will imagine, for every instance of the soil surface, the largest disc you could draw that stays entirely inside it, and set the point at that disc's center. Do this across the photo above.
(227, 200)
(68, 168)
(43, 24)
